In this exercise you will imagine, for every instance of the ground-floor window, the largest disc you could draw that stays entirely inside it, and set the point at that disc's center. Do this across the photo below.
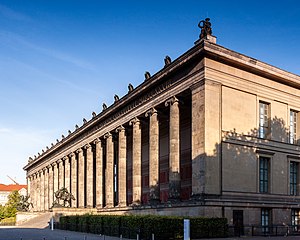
(265, 220)
(295, 218)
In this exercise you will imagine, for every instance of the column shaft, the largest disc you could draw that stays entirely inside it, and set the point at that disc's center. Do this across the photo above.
(122, 167)
(136, 162)
(99, 173)
(174, 150)
(61, 179)
(153, 155)
(81, 167)
(109, 172)
(74, 180)
(55, 179)
(51, 185)
(90, 176)
(46, 189)
(42, 189)
(67, 173)
(38, 192)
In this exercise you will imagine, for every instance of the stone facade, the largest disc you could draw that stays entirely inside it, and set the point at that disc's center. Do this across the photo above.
(214, 133)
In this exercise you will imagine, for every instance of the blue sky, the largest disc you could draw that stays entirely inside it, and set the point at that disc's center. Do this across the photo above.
(60, 60)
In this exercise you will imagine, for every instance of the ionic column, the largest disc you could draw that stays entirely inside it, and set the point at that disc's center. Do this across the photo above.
(55, 179)
(136, 161)
(42, 190)
(153, 155)
(90, 176)
(67, 173)
(99, 173)
(38, 191)
(109, 171)
(81, 190)
(33, 193)
(46, 189)
(29, 187)
(51, 185)
(122, 167)
(73, 179)
(61, 179)
(174, 149)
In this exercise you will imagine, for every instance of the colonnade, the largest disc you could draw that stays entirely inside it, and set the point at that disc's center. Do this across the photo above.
(89, 173)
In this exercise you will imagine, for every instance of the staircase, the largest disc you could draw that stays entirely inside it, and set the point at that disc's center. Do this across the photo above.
(39, 221)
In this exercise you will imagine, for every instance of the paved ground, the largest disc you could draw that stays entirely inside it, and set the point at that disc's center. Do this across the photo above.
(17, 233)
(14, 233)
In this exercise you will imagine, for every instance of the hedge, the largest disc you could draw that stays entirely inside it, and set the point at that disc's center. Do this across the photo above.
(163, 227)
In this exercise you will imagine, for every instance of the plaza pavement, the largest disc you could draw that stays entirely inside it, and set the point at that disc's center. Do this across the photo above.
(17, 233)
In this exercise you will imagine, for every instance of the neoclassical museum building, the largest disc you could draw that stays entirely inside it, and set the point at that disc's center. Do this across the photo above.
(213, 133)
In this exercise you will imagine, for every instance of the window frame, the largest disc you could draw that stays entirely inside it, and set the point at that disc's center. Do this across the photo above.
(266, 219)
(293, 126)
(264, 128)
(264, 167)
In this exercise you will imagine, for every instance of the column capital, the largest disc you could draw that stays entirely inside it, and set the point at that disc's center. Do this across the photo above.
(97, 140)
(87, 146)
(171, 101)
(65, 158)
(79, 150)
(71, 154)
(49, 166)
(59, 161)
(120, 129)
(150, 112)
(107, 135)
(134, 121)
(54, 164)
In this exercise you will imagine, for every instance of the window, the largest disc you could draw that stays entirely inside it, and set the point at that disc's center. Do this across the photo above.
(293, 178)
(265, 219)
(263, 174)
(264, 128)
(295, 218)
(293, 127)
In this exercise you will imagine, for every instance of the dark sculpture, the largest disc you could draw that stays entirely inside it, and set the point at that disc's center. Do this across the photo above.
(76, 126)
(104, 106)
(130, 88)
(62, 136)
(147, 75)
(69, 132)
(205, 26)
(84, 121)
(116, 97)
(167, 60)
(63, 195)
(24, 204)
(94, 114)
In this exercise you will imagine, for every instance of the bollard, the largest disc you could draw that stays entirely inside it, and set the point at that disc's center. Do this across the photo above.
(121, 237)
(137, 237)
(152, 236)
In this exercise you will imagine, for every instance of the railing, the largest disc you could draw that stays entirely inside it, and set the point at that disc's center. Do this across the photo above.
(258, 230)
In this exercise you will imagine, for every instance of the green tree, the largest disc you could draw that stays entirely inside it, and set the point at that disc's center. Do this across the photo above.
(10, 208)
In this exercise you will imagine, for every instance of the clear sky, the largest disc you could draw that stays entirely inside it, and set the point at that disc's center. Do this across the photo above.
(61, 59)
